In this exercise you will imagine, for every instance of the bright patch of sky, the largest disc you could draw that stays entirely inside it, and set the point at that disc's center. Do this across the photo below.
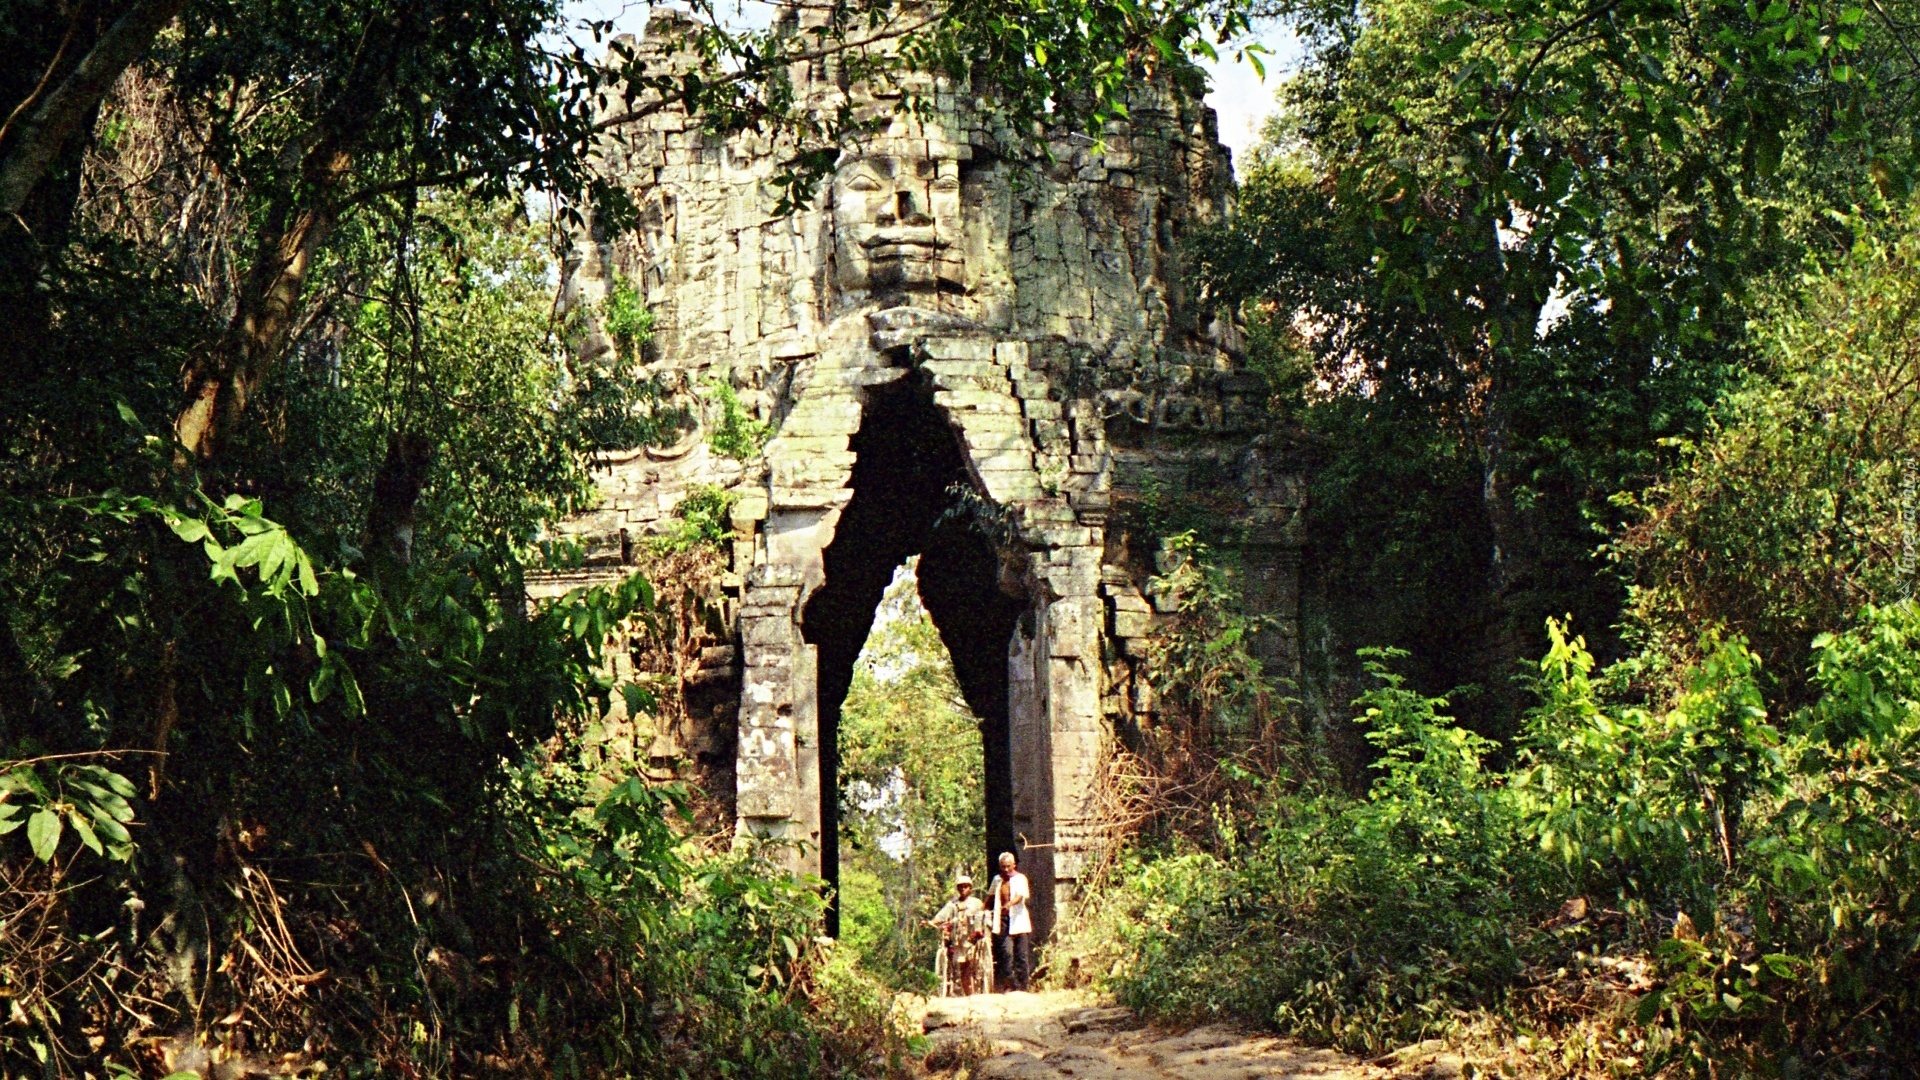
(1240, 96)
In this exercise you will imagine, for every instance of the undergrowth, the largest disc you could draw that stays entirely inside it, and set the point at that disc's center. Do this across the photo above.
(405, 846)
(1702, 886)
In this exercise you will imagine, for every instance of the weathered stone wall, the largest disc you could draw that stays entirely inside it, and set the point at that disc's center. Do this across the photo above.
(1039, 303)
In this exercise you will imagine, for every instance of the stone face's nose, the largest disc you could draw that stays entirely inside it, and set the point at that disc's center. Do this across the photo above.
(907, 210)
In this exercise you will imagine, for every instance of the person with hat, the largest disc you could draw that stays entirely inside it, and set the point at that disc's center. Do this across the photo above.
(1012, 925)
(962, 924)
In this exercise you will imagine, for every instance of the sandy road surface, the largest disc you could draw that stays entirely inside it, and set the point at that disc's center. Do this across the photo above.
(1062, 1034)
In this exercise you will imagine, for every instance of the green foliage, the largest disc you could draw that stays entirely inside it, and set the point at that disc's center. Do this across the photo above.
(1631, 791)
(627, 320)
(736, 434)
(450, 337)
(1202, 664)
(1784, 840)
(1368, 922)
(704, 518)
(707, 510)
(693, 962)
(1519, 246)
(726, 944)
(1796, 507)
(51, 797)
(911, 807)
(867, 922)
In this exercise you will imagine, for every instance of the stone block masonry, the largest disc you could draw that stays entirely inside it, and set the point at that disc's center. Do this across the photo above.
(963, 350)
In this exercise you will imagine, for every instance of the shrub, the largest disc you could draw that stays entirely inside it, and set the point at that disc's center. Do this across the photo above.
(736, 434)
(704, 518)
(629, 324)
(1760, 874)
(1798, 505)
(1361, 922)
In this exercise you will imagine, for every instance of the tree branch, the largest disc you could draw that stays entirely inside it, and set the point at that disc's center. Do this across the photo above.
(53, 65)
(639, 112)
(48, 127)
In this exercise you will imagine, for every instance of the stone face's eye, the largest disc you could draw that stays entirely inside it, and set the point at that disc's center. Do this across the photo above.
(863, 183)
(946, 183)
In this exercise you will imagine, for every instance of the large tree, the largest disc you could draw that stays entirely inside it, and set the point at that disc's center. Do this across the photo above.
(1516, 242)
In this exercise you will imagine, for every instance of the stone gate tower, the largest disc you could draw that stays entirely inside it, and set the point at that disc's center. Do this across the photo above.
(962, 350)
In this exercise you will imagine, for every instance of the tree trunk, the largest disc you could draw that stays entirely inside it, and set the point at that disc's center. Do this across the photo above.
(396, 496)
(1513, 303)
(218, 387)
(46, 129)
(1504, 637)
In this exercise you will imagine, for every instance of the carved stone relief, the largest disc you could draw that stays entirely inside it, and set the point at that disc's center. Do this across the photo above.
(1032, 308)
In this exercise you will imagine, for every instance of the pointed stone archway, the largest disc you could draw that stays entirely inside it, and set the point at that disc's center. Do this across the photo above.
(918, 448)
(953, 313)
(907, 480)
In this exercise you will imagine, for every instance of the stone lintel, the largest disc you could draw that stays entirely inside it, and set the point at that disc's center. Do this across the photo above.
(810, 498)
(978, 400)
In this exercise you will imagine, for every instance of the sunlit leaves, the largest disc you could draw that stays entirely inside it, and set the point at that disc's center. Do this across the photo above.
(911, 786)
(58, 796)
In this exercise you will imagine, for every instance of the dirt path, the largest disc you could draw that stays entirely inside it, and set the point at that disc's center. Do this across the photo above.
(1063, 1034)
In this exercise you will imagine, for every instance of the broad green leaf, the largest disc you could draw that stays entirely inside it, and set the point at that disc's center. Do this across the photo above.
(119, 784)
(191, 529)
(113, 829)
(84, 831)
(43, 833)
(25, 778)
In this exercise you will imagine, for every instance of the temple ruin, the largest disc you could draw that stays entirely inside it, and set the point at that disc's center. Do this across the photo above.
(963, 349)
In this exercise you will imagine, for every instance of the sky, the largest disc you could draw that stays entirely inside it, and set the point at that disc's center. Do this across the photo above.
(1240, 97)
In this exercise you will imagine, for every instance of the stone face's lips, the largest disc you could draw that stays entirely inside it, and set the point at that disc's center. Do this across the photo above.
(923, 237)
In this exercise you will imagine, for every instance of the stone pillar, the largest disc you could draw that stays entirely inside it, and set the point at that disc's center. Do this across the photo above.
(1270, 558)
(778, 740)
(1076, 739)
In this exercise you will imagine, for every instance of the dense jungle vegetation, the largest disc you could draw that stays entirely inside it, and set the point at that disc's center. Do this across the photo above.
(1593, 324)
(1598, 325)
(293, 777)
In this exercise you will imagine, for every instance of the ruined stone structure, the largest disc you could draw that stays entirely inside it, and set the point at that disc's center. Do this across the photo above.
(962, 350)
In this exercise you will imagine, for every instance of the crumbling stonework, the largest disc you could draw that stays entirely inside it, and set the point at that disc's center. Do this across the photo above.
(961, 349)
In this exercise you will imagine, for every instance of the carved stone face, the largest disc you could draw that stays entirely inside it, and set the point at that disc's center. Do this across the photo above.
(897, 223)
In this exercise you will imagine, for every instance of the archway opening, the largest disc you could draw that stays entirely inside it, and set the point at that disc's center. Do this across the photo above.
(908, 478)
(912, 811)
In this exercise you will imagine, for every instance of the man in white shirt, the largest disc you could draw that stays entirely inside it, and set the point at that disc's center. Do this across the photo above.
(1012, 925)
